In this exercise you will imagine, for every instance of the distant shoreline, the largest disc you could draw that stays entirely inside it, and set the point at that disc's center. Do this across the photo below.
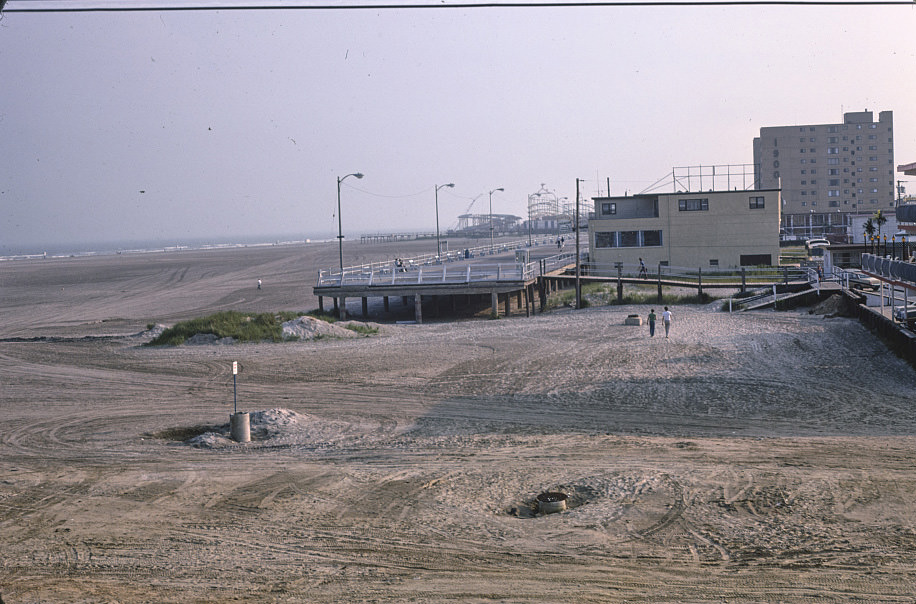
(115, 248)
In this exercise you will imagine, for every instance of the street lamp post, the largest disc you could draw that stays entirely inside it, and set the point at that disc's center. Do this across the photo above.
(491, 216)
(438, 245)
(340, 222)
(578, 276)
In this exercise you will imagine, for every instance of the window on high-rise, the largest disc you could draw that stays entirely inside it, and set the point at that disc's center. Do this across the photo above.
(693, 205)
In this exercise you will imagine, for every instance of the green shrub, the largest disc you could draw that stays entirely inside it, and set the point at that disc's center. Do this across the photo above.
(364, 330)
(227, 324)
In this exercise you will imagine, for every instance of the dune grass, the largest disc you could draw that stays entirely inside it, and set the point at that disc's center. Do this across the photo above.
(242, 327)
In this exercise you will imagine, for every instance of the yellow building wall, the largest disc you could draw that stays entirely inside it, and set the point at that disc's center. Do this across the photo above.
(725, 232)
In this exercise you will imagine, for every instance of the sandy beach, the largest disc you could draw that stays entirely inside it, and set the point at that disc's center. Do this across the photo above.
(749, 457)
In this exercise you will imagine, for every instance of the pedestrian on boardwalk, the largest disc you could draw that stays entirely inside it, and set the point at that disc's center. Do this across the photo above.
(652, 323)
(642, 269)
(666, 317)
(259, 284)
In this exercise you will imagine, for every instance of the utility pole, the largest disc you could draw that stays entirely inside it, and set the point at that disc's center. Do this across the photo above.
(578, 283)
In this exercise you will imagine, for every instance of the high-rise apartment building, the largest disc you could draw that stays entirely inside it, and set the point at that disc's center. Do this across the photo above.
(827, 171)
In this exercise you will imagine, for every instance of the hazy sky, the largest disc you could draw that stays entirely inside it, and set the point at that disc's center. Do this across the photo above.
(223, 124)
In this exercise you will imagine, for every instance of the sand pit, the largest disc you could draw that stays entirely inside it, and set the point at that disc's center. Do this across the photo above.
(749, 457)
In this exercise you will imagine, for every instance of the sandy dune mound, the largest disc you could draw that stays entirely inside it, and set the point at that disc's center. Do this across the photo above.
(278, 427)
(309, 328)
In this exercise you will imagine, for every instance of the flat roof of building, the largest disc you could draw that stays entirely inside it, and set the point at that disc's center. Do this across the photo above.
(720, 192)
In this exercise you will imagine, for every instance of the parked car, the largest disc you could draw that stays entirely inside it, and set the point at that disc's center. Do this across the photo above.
(907, 313)
(860, 280)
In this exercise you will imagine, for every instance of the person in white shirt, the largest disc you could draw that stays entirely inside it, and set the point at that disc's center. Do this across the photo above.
(666, 317)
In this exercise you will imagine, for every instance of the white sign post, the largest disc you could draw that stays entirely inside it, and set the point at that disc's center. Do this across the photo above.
(235, 400)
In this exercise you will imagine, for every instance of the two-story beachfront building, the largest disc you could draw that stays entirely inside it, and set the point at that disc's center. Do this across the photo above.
(698, 229)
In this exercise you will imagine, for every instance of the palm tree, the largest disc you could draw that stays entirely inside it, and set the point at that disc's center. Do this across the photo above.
(879, 219)
(869, 228)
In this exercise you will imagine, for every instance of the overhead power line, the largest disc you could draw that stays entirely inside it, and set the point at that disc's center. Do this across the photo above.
(59, 6)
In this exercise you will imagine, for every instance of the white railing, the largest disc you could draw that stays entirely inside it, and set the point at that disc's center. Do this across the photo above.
(431, 259)
(410, 272)
(896, 270)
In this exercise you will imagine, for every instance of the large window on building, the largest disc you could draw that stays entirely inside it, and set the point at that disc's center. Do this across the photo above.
(608, 208)
(628, 238)
(605, 239)
(757, 203)
(651, 238)
(612, 239)
(693, 205)
(756, 259)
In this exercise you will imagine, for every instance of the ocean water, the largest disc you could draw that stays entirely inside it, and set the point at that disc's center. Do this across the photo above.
(101, 248)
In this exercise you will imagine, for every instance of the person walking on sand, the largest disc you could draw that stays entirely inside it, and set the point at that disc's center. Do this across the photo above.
(666, 317)
(652, 323)
(259, 284)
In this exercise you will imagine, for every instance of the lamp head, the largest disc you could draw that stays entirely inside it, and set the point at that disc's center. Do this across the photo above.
(451, 184)
(358, 175)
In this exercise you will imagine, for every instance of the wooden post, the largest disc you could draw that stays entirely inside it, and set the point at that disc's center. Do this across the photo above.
(418, 307)
(700, 282)
(494, 302)
(385, 299)
(508, 304)
(321, 304)
(365, 307)
(619, 282)
(743, 280)
(342, 311)
(659, 282)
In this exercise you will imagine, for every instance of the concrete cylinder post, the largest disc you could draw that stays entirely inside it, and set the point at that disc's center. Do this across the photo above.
(240, 427)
